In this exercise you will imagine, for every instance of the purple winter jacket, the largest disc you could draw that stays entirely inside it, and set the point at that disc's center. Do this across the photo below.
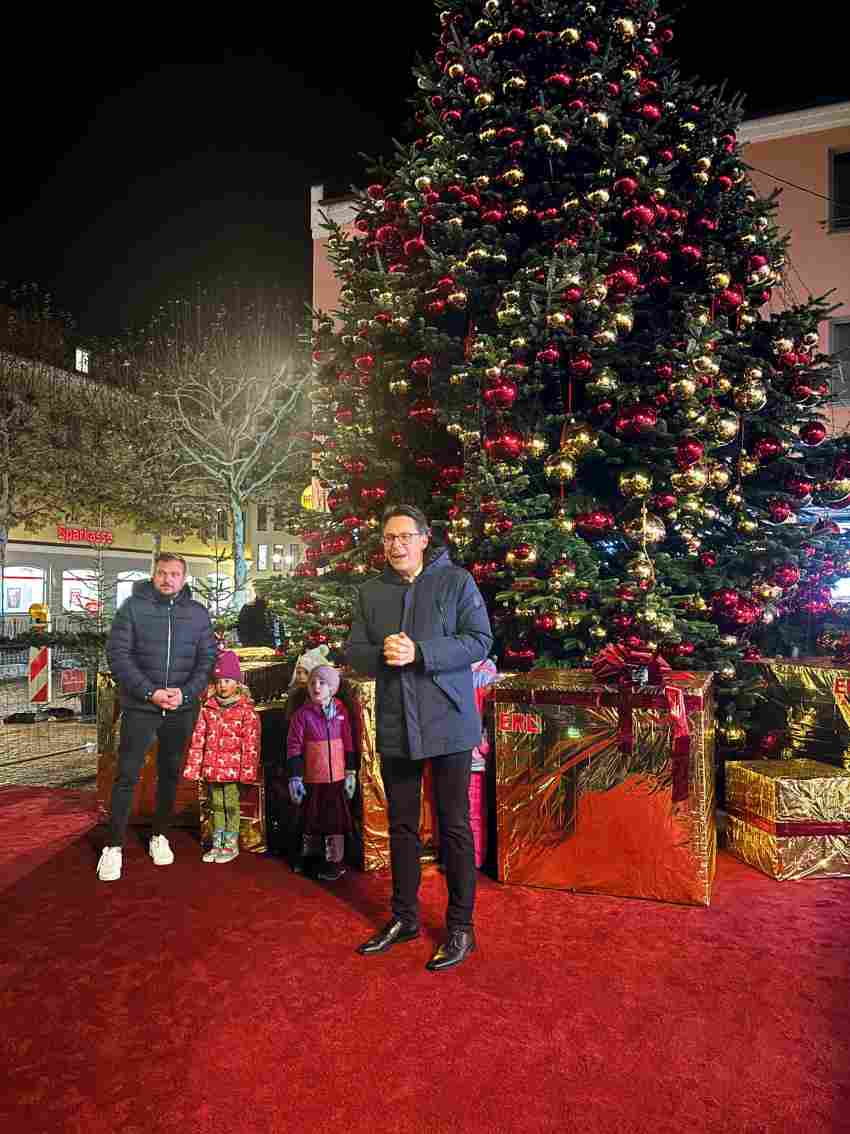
(319, 750)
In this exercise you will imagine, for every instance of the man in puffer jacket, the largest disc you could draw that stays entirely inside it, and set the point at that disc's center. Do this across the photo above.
(161, 649)
(417, 630)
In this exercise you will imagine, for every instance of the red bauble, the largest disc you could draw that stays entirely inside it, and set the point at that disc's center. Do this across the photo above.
(337, 498)
(684, 649)
(423, 411)
(423, 366)
(689, 452)
(305, 571)
(376, 192)
(643, 418)
(451, 474)
(351, 522)
(665, 502)
(581, 365)
(364, 362)
(650, 111)
(560, 79)
(523, 551)
(812, 433)
(344, 415)
(622, 622)
(769, 744)
(504, 444)
(435, 308)
(641, 215)
(502, 395)
(767, 449)
(708, 559)
(626, 186)
(343, 567)
(492, 216)
(483, 571)
(779, 511)
(519, 655)
(633, 642)
(595, 524)
(752, 653)
(545, 622)
(549, 355)
(503, 525)
(731, 297)
(625, 592)
(414, 247)
(425, 463)
(800, 487)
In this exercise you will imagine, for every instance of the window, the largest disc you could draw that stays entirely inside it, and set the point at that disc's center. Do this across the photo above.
(22, 586)
(80, 592)
(294, 555)
(839, 347)
(124, 585)
(277, 557)
(262, 517)
(839, 191)
(262, 557)
(81, 361)
(221, 523)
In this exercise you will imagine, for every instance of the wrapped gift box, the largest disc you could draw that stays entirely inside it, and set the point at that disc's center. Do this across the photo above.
(808, 700)
(595, 791)
(789, 818)
(252, 816)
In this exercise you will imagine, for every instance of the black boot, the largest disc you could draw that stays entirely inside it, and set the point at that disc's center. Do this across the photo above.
(460, 944)
(393, 933)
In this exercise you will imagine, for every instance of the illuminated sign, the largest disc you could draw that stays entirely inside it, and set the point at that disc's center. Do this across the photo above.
(507, 721)
(93, 536)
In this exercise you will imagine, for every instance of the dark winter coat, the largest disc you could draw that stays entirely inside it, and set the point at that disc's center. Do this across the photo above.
(255, 625)
(426, 708)
(160, 643)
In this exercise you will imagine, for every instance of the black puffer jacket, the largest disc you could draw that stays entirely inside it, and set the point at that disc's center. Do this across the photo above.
(160, 643)
(426, 708)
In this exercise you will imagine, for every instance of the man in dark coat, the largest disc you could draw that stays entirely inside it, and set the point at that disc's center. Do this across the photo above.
(417, 630)
(161, 649)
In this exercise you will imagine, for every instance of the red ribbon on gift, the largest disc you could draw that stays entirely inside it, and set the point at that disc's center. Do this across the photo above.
(637, 671)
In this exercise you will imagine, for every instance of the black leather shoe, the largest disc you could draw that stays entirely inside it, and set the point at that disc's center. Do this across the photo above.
(393, 933)
(460, 944)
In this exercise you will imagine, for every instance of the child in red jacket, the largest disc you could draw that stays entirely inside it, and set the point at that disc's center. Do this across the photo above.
(225, 751)
(323, 769)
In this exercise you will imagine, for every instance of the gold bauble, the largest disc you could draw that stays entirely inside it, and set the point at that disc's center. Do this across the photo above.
(483, 100)
(752, 397)
(704, 364)
(486, 135)
(693, 479)
(666, 624)
(746, 525)
(598, 633)
(690, 505)
(703, 163)
(731, 734)
(597, 290)
(722, 384)
(648, 529)
(565, 523)
(514, 83)
(578, 438)
(458, 378)
(747, 465)
(710, 512)
(573, 619)
(753, 374)
(399, 386)
(768, 592)
(513, 176)
(520, 210)
(559, 467)
(569, 204)
(624, 320)
(625, 27)
(735, 498)
(457, 299)
(727, 671)
(482, 181)
(564, 570)
(508, 314)
(683, 389)
(720, 280)
(519, 343)
(635, 482)
(726, 426)
(648, 616)
(728, 641)
(605, 337)
(536, 445)
(556, 319)
(599, 197)
(640, 567)
(543, 131)
(569, 36)
(603, 383)
(719, 476)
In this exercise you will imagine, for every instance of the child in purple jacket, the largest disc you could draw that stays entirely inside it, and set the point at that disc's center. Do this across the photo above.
(323, 769)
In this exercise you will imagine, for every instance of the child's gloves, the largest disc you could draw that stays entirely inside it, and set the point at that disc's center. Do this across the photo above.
(350, 784)
(297, 791)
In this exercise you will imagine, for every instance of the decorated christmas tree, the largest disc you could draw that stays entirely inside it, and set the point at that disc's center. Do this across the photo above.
(557, 333)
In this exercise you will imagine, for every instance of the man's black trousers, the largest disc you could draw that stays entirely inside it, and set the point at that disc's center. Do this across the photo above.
(138, 731)
(403, 785)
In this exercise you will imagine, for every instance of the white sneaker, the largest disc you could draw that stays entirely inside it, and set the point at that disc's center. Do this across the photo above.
(109, 864)
(160, 851)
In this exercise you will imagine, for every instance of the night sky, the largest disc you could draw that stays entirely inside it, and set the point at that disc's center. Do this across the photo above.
(131, 174)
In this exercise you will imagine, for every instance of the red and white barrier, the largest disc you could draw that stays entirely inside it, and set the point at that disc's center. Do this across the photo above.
(40, 686)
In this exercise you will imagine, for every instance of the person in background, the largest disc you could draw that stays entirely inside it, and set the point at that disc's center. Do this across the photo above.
(160, 650)
(225, 752)
(255, 626)
(418, 629)
(323, 769)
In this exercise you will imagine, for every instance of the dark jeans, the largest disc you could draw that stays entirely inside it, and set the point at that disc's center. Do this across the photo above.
(403, 784)
(138, 731)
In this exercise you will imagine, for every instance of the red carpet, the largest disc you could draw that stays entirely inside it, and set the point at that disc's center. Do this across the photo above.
(36, 823)
(228, 998)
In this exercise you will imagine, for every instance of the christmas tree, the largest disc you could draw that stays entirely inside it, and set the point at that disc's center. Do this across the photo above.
(556, 334)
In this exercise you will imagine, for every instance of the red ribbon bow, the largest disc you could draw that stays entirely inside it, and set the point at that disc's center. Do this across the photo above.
(638, 670)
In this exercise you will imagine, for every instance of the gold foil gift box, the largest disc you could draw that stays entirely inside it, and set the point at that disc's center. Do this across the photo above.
(374, 820)
(808, 701)
(789, 818)
(595, 792)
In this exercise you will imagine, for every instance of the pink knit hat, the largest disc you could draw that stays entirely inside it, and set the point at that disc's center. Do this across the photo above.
(227, 666)
(329, 675)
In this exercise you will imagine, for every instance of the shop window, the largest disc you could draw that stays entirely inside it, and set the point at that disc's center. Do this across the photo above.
(124, 586)
(262, 557)
(277, 557)
(262, 517)
(22, 586)
(839, 347)
(221, 524)
(80, 592)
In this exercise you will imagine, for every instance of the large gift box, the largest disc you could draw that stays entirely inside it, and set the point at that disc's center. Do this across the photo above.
(606, 787)
(807, 700)
(374, 826)
(789, 818)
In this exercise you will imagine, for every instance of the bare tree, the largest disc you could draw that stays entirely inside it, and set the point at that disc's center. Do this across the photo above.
(228, 421)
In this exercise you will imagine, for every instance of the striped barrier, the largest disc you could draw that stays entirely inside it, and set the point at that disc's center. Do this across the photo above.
(40, 686)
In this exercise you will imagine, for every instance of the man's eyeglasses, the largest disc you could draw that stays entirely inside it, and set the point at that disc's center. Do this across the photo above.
(404, 538)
